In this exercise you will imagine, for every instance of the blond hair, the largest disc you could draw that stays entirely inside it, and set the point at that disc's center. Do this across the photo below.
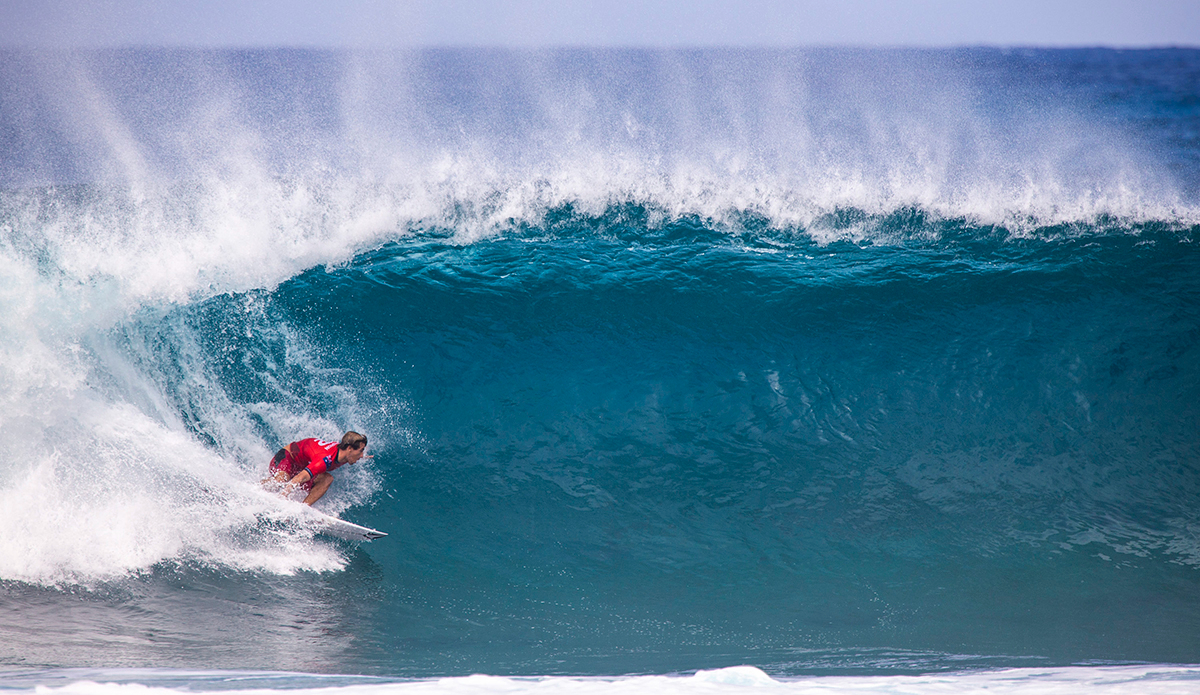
(352, 440)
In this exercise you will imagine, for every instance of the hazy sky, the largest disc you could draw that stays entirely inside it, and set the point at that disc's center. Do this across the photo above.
(600, 22)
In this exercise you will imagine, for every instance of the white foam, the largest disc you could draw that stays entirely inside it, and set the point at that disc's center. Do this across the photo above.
(1109, 680)
(121, 493)
(102, 479)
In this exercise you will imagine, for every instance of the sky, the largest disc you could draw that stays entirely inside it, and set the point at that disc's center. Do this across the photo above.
(654, 23)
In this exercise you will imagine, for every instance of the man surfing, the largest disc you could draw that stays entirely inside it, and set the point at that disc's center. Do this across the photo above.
(308, 462)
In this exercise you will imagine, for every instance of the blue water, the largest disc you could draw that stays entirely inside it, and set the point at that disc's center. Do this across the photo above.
(822, 362)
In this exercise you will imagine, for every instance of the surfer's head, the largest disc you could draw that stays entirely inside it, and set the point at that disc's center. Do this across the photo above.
(352, 447)
(352, 440)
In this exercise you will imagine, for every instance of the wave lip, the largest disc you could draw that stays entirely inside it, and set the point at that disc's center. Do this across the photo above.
(172, 174)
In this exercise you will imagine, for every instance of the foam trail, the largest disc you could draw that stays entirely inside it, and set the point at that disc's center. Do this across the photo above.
(109, 480)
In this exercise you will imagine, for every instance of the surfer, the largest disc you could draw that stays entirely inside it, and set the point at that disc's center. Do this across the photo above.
(307, 463)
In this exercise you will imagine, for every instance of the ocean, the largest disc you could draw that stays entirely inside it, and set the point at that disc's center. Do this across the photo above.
(696, 371)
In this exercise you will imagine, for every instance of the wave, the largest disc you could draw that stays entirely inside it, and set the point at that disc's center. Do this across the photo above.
(130, 358)
(611, 320)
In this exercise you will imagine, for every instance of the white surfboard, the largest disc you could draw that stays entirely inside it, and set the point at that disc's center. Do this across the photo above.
(340, 528)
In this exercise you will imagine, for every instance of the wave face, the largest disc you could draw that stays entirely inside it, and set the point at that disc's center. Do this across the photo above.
(817, 361)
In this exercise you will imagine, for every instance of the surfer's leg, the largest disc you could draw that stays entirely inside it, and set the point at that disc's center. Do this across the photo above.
(279, 470)
(320, 484)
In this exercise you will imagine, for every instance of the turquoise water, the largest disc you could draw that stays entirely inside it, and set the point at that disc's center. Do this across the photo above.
(825, 362)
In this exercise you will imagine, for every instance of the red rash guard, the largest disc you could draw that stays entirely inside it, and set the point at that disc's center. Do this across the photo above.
(314, 455)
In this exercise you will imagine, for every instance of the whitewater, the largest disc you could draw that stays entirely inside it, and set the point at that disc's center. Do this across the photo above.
(687, 370)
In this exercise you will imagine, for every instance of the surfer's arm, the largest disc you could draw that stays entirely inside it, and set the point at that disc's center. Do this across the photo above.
(300, 478)
(321, 483)
(297, 480)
